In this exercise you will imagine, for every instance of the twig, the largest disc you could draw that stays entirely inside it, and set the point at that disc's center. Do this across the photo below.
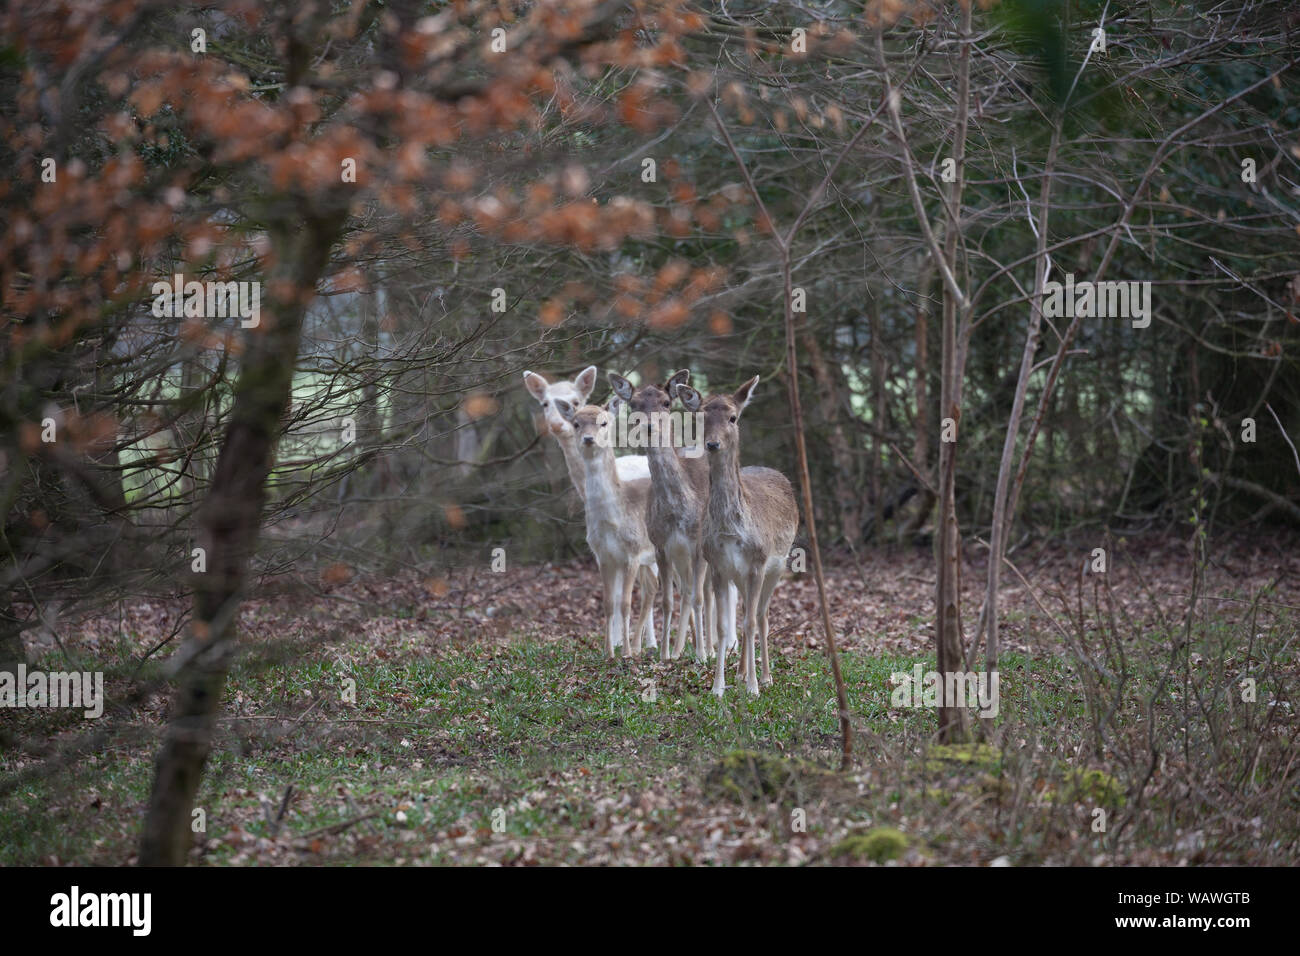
(340, 826)
(1284, 434)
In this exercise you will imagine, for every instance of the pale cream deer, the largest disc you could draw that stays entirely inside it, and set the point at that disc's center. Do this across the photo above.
(616, 524)
(576, 393)
(749, 527)
(630, 467)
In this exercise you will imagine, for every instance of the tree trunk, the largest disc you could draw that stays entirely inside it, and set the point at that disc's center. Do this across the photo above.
(229, 522)
(847, 499)
(11, 641)
(878, 417)
(1002, 517)
(921, 442)
(954, 725)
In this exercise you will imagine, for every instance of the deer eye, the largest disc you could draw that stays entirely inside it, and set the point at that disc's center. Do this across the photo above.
(546, 404)
(668, 404)
(733, 419)
(603, 424)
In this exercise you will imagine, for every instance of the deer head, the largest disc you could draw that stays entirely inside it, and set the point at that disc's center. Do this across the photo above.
(590, 424)
(547, 393)
(648, 400)
(721, 414)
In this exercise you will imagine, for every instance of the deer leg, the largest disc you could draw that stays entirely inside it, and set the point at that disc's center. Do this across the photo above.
(711, 619)
(628, 574)
(679, 615)
(649, 577)
(666, 603)
(770, 580)
(698, 610)
(645, 619)
(632, 576)
(740, 609)
(722, 598)
(613, 609)
(753, 591)
(734, 594)
(688, 610)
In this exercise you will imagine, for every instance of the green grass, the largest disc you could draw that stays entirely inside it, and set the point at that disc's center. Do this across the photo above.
(568, 756)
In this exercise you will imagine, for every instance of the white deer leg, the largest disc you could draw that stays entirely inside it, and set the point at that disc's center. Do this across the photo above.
(734, 594)
(739, 617)
(710, 619)
(753, 589)
(649, 576)
(698, 610)
(722, 600)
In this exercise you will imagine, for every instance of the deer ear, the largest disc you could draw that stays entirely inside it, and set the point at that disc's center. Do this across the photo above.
(621, 386)
(536, 385)
(680, 377)
(567, 411)
(745, 393)
(689, 396)
(586, 381)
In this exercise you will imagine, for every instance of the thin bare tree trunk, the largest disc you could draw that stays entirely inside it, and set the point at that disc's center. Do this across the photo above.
(796, 407)
(805, 485)
(921, 443)
(845, 473)
(229, 523)
(953, 722)
(878, 414)
(1001, 517)
(954, 338)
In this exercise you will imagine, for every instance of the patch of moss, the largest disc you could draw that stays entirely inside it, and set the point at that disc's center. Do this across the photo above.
(939, 795)
(747, 775)
(943, 758)
(878, 845)
(1093, 787)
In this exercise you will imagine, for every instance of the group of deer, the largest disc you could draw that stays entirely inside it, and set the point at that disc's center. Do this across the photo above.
(676, 516)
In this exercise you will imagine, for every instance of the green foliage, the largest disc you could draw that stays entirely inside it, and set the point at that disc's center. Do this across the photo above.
(878, 845)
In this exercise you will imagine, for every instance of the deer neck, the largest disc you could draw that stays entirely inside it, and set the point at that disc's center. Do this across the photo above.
(573, 461)
(669, 480)
(726, 495)
(603, 492)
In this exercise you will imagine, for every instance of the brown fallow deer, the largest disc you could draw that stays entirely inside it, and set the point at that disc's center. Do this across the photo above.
(630, 467)
(616, 524)
(679, 495)
(749, 527)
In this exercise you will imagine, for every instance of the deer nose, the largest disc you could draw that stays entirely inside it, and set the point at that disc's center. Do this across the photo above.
(712, 445)
(589, 439)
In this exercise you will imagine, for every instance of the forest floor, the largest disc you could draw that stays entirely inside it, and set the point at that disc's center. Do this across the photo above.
(486, 727)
